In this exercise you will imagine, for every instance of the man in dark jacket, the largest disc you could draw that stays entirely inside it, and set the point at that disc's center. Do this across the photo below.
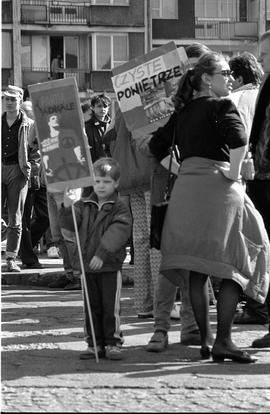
(259, 189)
(16, 169)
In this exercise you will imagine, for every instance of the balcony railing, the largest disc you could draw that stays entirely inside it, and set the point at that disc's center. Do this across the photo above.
(212, 29)
(54, 12)
(31, 75)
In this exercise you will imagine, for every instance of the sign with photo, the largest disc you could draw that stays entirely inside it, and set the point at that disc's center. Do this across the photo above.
(62, 141)
(144, 87)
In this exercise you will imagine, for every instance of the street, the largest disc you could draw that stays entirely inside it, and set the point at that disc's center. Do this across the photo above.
(42, 335)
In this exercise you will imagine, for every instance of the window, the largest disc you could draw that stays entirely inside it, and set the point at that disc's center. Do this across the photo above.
(216, 9)
(6, 50)
(267, 9)
(110, 2)
(164, 9)
(110, 50)
(34, 52)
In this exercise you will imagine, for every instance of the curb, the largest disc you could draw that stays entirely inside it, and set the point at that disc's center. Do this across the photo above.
(44, 277)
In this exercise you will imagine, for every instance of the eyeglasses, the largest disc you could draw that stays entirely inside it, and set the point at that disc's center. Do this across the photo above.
(225, 72)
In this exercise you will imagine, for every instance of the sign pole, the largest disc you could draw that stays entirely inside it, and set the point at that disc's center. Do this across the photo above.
(84, 285)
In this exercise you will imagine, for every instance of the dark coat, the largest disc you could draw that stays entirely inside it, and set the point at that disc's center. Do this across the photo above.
(104, 231)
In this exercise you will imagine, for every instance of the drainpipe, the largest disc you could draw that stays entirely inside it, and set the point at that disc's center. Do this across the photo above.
(148, 26)
(262, 17)
(16, 32)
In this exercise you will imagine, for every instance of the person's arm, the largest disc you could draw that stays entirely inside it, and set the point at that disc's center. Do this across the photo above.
(232, 172)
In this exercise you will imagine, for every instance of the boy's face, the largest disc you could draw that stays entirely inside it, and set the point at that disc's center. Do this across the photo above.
(100, 110)
(104, 187)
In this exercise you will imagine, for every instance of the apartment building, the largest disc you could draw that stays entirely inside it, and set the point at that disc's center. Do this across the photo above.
(91, 37)
(228, 26)
(94, 36)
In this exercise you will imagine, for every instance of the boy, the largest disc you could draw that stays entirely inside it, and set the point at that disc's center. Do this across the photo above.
(104, 224)
(95, 128)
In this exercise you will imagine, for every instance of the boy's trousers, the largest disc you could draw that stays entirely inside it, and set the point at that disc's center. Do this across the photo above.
(104, 291)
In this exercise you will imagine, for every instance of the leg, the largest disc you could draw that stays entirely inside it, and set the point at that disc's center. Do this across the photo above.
(95, 298)
(17, 187)
(41, 223)
(111, 284)
(226, 305)
(199, 296)
(190, 334)
(54, 204)
(28, 257)
(143, 287)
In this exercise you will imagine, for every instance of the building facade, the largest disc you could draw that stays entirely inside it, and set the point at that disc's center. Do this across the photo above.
(91, 37)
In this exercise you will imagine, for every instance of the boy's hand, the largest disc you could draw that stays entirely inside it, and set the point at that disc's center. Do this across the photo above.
(71, 195)
(96, 263)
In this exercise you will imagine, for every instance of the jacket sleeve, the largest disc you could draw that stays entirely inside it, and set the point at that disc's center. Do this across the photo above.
(117, 234)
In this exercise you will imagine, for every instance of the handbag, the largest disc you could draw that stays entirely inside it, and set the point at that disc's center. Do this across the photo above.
(158, 210)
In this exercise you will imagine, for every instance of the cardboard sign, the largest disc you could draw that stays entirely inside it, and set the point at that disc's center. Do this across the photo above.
(63, 145)
(144, 87)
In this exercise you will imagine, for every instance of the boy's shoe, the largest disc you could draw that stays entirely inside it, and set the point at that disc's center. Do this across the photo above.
(263, 342)
(12, 266)
(75, 285)
(53, 253)
(113, 352)
(89, 353)
(158, 342)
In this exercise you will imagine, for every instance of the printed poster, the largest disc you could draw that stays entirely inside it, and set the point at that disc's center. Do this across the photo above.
(63, 145)
(144, 87)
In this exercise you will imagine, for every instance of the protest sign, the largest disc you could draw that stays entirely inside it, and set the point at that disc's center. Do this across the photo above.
(63, 145)
(144, 87)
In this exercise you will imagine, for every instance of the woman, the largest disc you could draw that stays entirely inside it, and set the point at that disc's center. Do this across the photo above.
(211, 226)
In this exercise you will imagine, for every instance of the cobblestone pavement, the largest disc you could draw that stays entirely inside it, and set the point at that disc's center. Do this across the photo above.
(42, 335)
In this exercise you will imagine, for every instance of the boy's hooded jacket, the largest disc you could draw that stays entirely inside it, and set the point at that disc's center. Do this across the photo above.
(103, 230)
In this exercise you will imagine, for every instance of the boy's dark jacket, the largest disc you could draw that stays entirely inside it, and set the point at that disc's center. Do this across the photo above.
(103, 233)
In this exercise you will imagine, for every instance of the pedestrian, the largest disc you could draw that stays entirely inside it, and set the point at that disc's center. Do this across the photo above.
(211, 226)
(259, 188)
(65, 240)
(134, 189)
(247, 73)
(16, 169)
(166, 291)
(35, 219)
(95, 127)
(104, 225)
(56, 65)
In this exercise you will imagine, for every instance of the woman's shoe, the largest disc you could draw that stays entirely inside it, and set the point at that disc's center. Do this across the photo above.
(205, 351)
(236, 356)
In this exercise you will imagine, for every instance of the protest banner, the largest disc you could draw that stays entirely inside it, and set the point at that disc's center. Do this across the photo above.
(144, 87)
(63, 145)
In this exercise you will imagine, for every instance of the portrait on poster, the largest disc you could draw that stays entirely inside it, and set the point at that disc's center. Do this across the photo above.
(64, 149)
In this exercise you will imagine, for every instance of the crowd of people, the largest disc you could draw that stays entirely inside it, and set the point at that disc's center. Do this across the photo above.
(217, 225)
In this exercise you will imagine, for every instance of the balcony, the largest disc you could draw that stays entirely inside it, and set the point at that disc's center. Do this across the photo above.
(31, 75)
(54, 12)
(225, 29)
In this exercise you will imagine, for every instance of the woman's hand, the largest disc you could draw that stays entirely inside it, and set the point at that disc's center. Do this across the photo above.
(96, 263)
(226, 171)
(248, 170)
